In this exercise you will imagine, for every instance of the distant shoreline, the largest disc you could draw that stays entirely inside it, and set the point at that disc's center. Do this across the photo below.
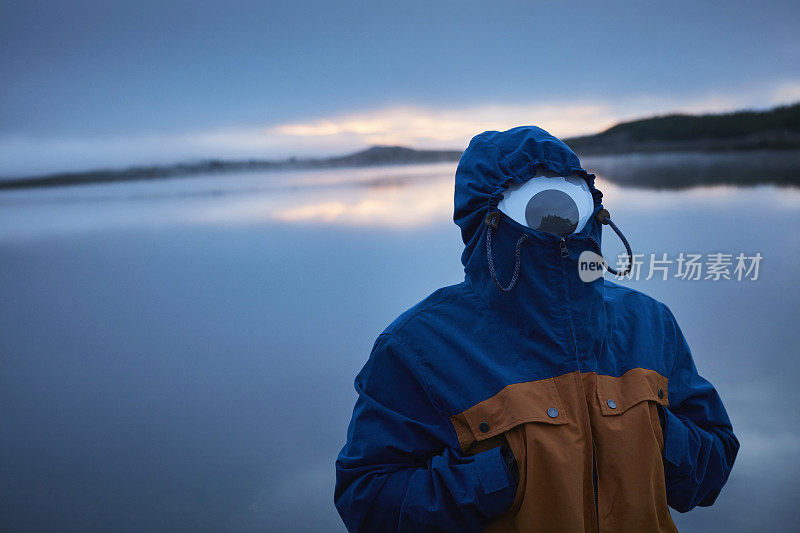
(648, 169)
(776, 130)
(653, 168)
(374, 156)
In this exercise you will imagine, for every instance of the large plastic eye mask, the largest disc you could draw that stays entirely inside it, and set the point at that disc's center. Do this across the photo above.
(559, 205)
(552, 211)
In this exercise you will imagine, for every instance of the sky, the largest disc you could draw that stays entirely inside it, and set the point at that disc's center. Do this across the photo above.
(90, 84)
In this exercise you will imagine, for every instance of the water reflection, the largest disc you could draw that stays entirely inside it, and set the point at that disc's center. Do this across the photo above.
(392, 196)
(690, 169)
(179, 355)
(405, 205)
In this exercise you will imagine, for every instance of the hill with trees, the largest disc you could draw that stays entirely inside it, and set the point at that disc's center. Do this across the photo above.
(777, 128)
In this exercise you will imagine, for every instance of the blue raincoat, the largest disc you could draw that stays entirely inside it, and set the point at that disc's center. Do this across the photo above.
(589, 386)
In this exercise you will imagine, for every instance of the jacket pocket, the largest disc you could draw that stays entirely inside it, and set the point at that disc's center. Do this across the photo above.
(520, 403)
(502, 419)
(618, 396)
(629, 450)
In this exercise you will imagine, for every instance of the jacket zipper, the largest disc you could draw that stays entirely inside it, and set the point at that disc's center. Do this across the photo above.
(564, 254)
(562, 243)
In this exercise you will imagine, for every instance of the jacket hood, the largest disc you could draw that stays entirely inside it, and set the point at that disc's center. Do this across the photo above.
(494, 160)
(574, 377)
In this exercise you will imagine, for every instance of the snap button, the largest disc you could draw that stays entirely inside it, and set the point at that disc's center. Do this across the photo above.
(483, 426)
(660, 393)
(552, 412)
(611, 403)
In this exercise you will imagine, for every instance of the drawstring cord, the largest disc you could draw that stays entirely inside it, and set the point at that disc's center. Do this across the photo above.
(491, 224)
(605, 217)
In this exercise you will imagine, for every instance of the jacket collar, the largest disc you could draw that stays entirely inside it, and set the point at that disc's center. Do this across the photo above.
(550, 314)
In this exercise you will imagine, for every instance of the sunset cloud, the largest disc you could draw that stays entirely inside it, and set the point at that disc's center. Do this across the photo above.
(409, 125)
(420, 126)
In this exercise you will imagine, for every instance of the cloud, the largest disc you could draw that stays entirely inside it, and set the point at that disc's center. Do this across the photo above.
(419, 126)
(416, 126)
(426, 127)
(786, 92)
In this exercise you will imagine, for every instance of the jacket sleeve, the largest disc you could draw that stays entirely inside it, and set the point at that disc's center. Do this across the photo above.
(699, 444)
(400, 469)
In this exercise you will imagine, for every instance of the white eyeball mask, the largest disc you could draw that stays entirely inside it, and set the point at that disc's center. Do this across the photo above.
(559, 205)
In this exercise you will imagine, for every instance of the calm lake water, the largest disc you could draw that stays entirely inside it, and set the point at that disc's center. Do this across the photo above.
(178, 355)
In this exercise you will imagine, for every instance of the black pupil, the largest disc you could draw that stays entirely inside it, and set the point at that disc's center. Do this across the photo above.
(552, 211)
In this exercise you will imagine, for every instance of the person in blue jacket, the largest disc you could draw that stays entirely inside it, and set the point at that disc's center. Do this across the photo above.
(530, 396)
